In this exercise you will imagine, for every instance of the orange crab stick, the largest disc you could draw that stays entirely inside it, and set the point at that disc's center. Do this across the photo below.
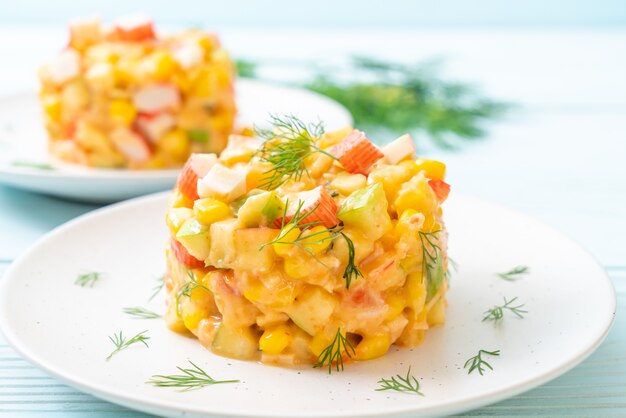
(183, 256)
(197, 166)
(441, 189)
(356, 153)
(317, 206)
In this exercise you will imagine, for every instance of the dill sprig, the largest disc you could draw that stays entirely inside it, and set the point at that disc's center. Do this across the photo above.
(187, 288)
(477, 362)
(333, 354)
(514, 274)
(431, 252)
(33, 164)
(286, 147)
(192, 378)
(88, 279)
(400, 383)
(121, 343)
(497, 312)
(305, 238)
(141, 313)
(157, 289)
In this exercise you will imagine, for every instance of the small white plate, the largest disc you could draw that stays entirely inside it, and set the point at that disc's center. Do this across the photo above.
(63, 328)
(23, 143)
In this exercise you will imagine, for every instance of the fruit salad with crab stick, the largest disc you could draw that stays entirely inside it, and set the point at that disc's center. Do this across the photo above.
(123, 97)
(299, 246)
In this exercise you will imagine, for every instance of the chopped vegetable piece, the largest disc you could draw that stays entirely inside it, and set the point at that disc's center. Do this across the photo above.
(183, 256)
(356, 153)
(441, 189)
(317, 207)
(399, 149)
(222, 182)
(188, 181)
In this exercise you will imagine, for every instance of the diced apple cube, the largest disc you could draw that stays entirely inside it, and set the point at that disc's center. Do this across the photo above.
(222, 253)
(157, 98)
(223, 183)
(247, 246)
(399, 149)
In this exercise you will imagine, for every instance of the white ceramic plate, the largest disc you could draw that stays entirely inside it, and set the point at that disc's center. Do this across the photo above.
(63, 328)
(23, 140)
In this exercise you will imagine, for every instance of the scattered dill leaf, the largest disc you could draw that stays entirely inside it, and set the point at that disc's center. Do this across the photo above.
(352, 271)
(333, 354)
(187, 288)
(246, 68)
(432, 264)
(400, 383)
(515, 273)
(192, 378)
(88, 279)
(141, 313)
(497, 312)
(33, 164)
(477, 362)
(120, 342)
(157, 289)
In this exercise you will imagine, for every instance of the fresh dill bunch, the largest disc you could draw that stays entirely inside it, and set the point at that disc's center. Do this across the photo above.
(400, 383)
(306, 237)
(120, 342)
(333, 354)
(141, 313)
(431, 260)
(515, 273)
(286, 146)
(478, 363)
(497, 312)
(187, 288)
(88, 279)
(158, 287)
(190, 379)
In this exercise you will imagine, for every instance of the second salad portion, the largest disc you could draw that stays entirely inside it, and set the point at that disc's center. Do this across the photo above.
(305, 246)
(123, 97)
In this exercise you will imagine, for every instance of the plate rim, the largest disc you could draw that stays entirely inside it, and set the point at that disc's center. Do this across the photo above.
(460, 405)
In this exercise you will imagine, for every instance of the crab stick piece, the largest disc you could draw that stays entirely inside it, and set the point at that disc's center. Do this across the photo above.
(189, 54)
(131, 144)
(155, 126)
(133, 29)
(223, 183)
(183, 256)
(197, 166)
(64, 66)
(399, 149)
(156, 98)
(441, 189)
(317, 206)
(85, 32)
(356, 153)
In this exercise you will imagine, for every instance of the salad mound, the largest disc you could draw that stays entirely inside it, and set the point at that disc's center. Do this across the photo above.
(303, 246)
(123, 97)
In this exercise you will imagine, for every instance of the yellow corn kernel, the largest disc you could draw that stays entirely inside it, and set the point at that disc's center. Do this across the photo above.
(410, 220)
(164, 65)
(176, 144)
(433, 169)
(282, 248)
(373, 346)
(256, 176)
(346, 183)
(203, 83)
(415, 288)
(275, 339)
(319, 342)
(52, 107)
(297, 267)
(209, 210)
(317, 239)
(122, 111)
(199, 294)
(182, 82)
(437, 314)
(191, 319)
(396, 304)
(179, 200)
(331, 138)
(175, 217)
(430, 224)
(208, 43)
(416, 194)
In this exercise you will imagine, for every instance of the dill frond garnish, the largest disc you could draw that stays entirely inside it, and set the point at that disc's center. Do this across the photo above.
(431, 261)
(286, 147)
(477, 362)
(88, 279)
(333, 354)
(305, 238)
(190, 379)
(400, 383)
(497, 312)
(121, 343)
(187, 288)
(33, 164)
(157, 289)
(514, 274)
(141, 313)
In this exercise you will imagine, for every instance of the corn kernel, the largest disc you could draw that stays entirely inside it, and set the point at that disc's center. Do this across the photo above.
(209, 210)
(164, 65)
(416, 194)
(433, 169)
(396, 304)
(296, 267)
(176, 144)
(122, 111)
(410, 221)
(179, 200)
(52, 107)
(275, 339)
(318, 343)
(175, 217)
(437, 314)
(282, 248)
(191, 319)
(317, 239)
(373, 346)
(415, 288)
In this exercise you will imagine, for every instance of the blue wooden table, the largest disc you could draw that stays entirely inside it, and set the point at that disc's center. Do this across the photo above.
(559, 156)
